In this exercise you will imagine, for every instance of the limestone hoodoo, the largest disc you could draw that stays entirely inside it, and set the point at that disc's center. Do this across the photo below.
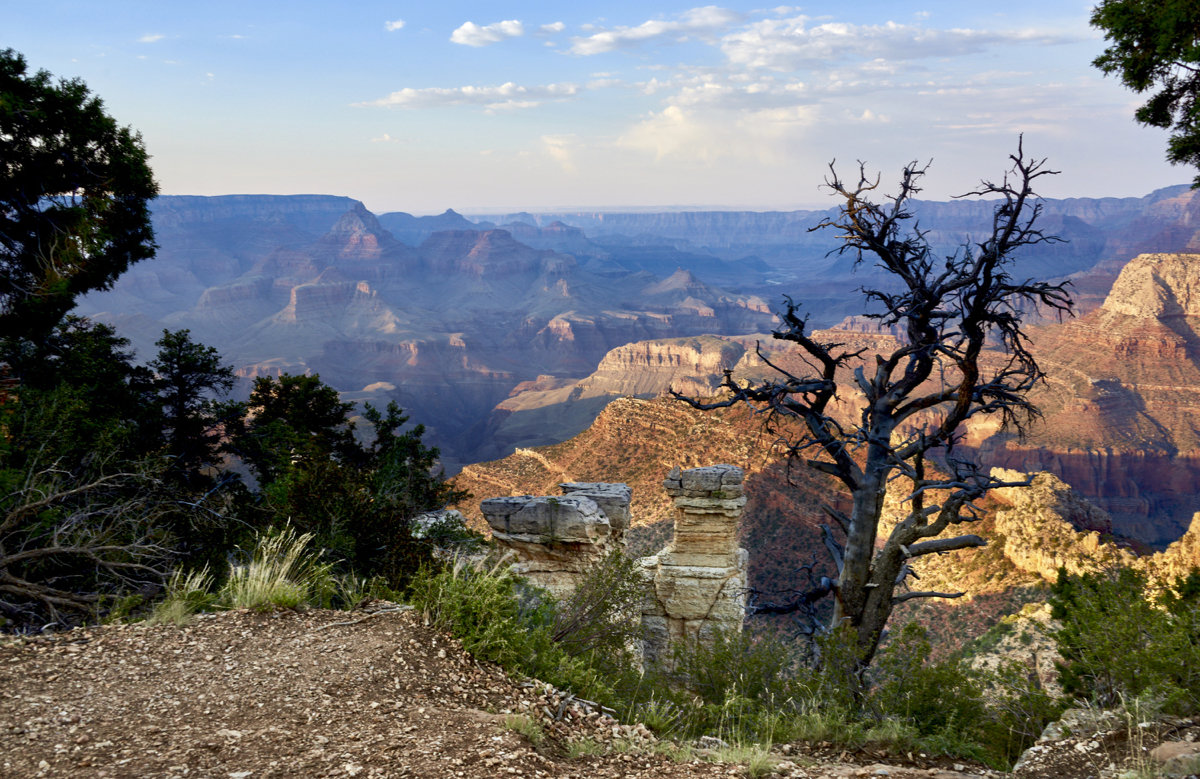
(699, 579)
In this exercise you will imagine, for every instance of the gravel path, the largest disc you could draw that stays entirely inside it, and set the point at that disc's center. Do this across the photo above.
(244, 695)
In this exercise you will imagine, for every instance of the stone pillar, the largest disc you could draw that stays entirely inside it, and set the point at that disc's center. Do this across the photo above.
(699, 579)
(557, 540)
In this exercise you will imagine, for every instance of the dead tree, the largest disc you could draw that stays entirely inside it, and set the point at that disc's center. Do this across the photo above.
(913, 401)
(69, 544)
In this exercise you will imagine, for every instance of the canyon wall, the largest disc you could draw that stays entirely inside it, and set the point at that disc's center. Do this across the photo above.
(447, 328)
(1121, 401)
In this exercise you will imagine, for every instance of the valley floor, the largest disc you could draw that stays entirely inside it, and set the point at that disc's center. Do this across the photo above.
(319, 693)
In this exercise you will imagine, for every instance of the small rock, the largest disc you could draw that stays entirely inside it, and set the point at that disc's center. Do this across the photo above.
(1178, 758)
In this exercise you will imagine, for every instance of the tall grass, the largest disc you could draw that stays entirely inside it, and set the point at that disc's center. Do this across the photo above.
(280, 574)
(186, 594)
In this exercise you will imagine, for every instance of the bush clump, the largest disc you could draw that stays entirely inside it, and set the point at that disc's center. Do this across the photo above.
(1121, 641)
(745, 688)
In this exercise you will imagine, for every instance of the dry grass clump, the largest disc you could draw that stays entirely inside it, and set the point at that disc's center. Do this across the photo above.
(280, 574)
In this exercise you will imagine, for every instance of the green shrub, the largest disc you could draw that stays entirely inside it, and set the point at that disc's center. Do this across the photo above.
(477, 603)
(932, 697)
(448, 531)
(124, 608)
(500, 618)
(741, 687)
(758, 667)
(1119, 642)
(527, 727)
(603, 614)
(1019, 708)
(350, 590)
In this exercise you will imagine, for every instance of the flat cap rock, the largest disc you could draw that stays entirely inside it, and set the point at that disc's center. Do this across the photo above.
(612, 497)
(569, 518)
(711, 481)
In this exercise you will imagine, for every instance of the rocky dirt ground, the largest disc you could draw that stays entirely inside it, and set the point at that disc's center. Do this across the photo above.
(245, 695)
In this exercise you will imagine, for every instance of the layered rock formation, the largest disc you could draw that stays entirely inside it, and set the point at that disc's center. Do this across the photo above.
(452, 325)
(1121, 401)
(1047, 526)
(1180, 558)
(549, 410)
(557, 540)
(698, 582)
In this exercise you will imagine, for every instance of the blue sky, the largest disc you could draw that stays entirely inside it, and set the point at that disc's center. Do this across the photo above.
(423, 106)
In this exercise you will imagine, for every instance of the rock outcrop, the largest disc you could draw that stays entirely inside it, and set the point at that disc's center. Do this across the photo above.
(1179, 558)
(1047, 526)
(612, 498)
(699, 579)
(1121, 401)
(557, 540)
(697, 584)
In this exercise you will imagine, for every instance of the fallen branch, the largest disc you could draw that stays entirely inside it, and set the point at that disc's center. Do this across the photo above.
(391, 610)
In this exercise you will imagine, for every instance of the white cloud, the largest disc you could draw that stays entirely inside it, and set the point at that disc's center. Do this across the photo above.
(505, 96)
(789, 44)
(766, 135)
(151, 38)
(605, 83)
(553, 27)
(559, 148)
(471, 34)
(709, 19)
(392, 26)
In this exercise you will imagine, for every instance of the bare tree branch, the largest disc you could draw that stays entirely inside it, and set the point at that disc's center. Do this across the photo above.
(939, 545)
(67, 543)
(905, 596)
(960, 353)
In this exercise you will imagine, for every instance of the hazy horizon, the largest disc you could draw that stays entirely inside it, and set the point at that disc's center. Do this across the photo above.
(410, 107)
(493, 211)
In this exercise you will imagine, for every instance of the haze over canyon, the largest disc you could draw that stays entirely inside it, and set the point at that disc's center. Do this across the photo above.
(517, 332)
